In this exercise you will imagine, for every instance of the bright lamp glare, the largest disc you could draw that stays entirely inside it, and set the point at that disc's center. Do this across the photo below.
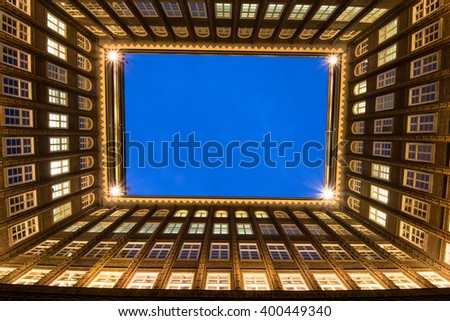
(328, 194)
(115, 191)
(333, 60)
(113, 56)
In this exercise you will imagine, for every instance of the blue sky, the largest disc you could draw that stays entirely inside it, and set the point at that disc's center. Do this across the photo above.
(225, 99)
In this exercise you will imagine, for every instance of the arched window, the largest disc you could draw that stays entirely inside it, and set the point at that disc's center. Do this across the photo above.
(117, 30)
(280, 214)
(96, 31)
(328, 34)
(138, 30)
(181, 31)
(355, 185)
(245, 32)
(286, 33)
(84, 83)
(362, 47)
(356, 166)
(86, 162)
(160, 31)
(358, 128)
(265, 33)
(84, 103)
(84, 63)
(181, 213)
(86, 142)
(360, 88)
(141, 212)
(161, 213)
(353, 203)
(357, 147)
(261, 214)
(85, 123)
(201, 213)
(202, 32)
(86, 181)
(83, 42)
(359, 107)
(241, 214)
(87, 200)
(361, 67)
(221, 214)
(307, 33)
(348, 35)
(223, 32)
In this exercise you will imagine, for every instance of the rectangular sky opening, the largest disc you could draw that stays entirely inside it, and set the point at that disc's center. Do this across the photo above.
(225, 126)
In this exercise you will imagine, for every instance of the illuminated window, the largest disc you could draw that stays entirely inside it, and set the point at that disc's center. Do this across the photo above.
(70, 9)
(299, 11)
(348, 35)
(323, 13)
(278, 252)
(161, 213)
(366, 252)
(148, 228)
(395, 251)
(425, 36)
(140, 213)
(364, 230)
(201, 213)
(84, 83)
(425, 65)
(249, 251)
(160, 251)
(248, 10)
(307, 33)
(387, 55)
(381, 171)
(223, 10)
(95, 9)
(365, 281)
(386, 79)
(357, 147)
(57, 73)
(355, 185)
(23, 230)
(56, 24)
(146, 8)
(15, 57)
(75, 226)
(268, 229)
(86, 181)
(292, 282)
(16, 87)
(221, 214)
(180, 281)
(15, 28)
(69, 278)
(265, 33)
(387, 31)
(173, 228)
(244, 229)
(172, 9)
(349, 13)
(401, 280)
(360, 88)
(105, 280)
(385, 102)
(423, 94)
(190, 251)
(100, 249)
(308, 252)
(338, 229)
(291, 229)
(337, 252)
(181, 213)
(218, 281)
(23, 5)
(379, 194)
(223, 32)
(280, 214)
(241, 214)
(96, 30)
(359, 108)
(130, 250)
(362, 47)
(329, 282)
(358, 128)
(125, 227)
(59, 167)
(71, 249)
(219, 251)
(329, 34)
(32, 277)
(83, 42)
(274, 11)
(197, 228)
(415, 207)
(382, 149)
(424, 8)
(356, 166)
(57, 97)
(86, 162)
(18, 146)
(261, 214)
(197, 9)
(373, 15)
(60, 189)
(435, 279)
(361, 67)
(117, 30)
(301, 215)
(420, 152)
(56, 49)
(377, 216)
(424, 123)
(412, 234)
(143, 280)
(100, 227)
(255, 282)
(87, 200)
(41, 248)
(417, 180)
(121, 9)
(353, 203)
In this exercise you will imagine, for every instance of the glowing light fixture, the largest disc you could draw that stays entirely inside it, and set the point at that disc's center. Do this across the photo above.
(333, 60)
(113, 56)
(116, 191)
(327, 194)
